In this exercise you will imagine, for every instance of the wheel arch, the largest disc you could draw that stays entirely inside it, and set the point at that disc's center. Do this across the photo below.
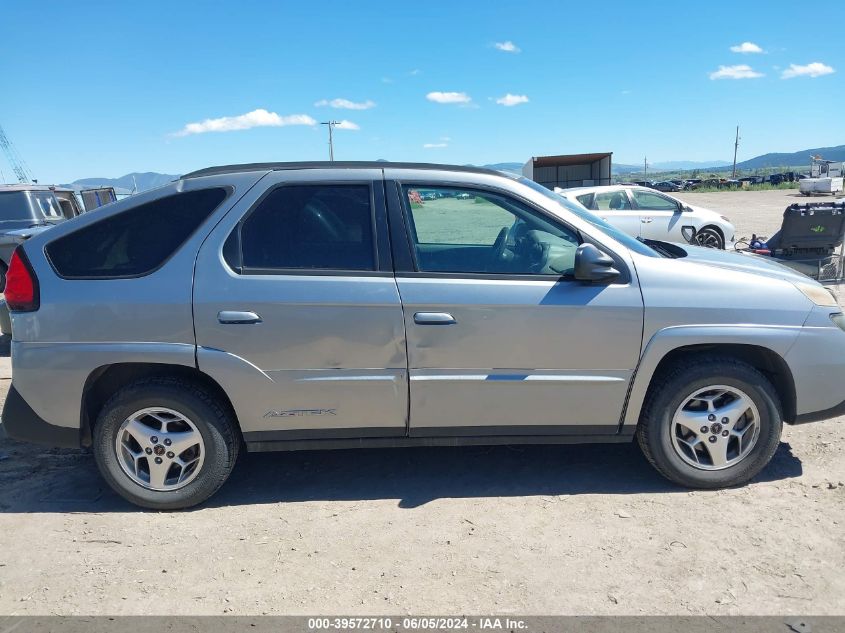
(716, 228)
(105, 380)
(762, 348)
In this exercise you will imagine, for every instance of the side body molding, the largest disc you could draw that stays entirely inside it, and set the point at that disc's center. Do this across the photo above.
(777, 338)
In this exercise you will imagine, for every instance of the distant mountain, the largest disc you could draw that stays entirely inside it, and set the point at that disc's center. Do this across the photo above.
(144, 181)
(671, 165)
(689, 164)
(836, 153)
(513, 167)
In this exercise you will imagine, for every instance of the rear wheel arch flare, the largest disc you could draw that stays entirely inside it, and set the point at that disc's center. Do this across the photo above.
(106, 380)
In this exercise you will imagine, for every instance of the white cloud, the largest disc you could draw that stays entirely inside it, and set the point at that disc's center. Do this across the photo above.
(448, 97)
(512, 100)
(434, 145)
(346, 125)
(815, 69)
(346, 104)
(415, 71)
(508, 47)
(740, 71)
(256, 118)
(746, 47)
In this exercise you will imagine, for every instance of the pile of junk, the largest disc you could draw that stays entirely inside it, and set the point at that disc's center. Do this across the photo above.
(810, 240)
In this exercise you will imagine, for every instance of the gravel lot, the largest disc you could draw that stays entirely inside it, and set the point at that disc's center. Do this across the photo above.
(555, 529)
(757, 212)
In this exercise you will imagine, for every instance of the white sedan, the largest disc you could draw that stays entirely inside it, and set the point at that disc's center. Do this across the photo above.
(651, 214)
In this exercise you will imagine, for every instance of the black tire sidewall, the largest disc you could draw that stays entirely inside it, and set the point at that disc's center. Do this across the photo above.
(676, 391)
(220, 450)
(710, 229)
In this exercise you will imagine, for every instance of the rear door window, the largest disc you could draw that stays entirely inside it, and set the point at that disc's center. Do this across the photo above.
(306, 227)
(654, 201)
(612, 201)
(135, 242)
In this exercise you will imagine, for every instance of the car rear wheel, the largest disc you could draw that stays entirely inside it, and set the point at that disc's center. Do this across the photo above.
(165, 443)
(712, 423)
(709, 237)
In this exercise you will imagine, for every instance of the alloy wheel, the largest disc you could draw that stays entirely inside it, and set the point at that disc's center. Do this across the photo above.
(708, 238)
(160, 449)
(715, 427)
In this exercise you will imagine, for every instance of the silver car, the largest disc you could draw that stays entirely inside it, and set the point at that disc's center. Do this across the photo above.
(332, 305)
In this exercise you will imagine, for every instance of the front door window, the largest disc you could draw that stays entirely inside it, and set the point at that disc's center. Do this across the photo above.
(475, 231)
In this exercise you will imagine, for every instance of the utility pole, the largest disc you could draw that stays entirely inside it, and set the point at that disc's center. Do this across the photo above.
(736, 147)
(331, 125)
(645, 168)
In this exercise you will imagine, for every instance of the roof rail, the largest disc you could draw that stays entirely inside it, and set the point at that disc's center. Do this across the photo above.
(230, 169)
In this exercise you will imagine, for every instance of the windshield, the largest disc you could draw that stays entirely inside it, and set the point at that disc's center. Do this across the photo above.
(626, 240)
(47, 205)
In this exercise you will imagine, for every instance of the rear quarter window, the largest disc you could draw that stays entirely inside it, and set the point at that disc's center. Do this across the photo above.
(135, 242)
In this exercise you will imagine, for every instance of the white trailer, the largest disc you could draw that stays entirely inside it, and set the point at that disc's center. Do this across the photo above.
(825, 177)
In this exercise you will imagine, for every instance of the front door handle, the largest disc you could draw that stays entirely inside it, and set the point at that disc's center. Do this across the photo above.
(434, 318)
(235, 317)
(646, 220)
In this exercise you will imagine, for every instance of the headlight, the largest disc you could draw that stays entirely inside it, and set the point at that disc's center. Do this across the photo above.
(819, 295)
(725, 218)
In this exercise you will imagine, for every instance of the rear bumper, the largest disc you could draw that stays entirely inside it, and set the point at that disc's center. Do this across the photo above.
(20, 422)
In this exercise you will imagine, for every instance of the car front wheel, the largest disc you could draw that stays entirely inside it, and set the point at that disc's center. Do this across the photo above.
(709, 237)
(165, 443)
(711, 423)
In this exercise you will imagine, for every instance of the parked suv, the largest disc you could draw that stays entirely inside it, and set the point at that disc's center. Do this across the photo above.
(328, 305)
(26, 210)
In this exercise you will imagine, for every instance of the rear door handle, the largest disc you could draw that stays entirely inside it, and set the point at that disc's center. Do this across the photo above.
(434, 318)
(234, 317)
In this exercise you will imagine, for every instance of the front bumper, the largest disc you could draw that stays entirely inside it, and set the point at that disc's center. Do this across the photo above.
(20, 422)
(817, 363)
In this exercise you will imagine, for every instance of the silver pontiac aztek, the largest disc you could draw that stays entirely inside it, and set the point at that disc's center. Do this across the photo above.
(337, 305)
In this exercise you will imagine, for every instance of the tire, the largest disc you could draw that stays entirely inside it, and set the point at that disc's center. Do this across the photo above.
(212, 429)
(710, 237)
(672, 390)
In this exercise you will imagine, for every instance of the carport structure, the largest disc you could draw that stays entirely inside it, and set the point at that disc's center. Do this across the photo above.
(569, 170)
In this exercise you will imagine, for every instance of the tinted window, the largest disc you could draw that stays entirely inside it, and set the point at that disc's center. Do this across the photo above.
(316, 227)
(654, 201)
(136, 241)
(14, 206)
(612, 201)
(468, 231)
(47, 204)
(586, 200)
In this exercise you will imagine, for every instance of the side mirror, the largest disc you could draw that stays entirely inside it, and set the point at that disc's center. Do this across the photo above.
(593, 265)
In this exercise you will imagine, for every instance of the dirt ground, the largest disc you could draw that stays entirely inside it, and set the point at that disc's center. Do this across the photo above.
(528, 530)
(757, 212)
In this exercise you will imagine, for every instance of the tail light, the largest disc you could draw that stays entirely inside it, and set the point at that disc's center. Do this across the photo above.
(22, 293)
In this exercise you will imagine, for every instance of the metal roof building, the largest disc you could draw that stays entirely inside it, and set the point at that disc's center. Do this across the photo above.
(569, 170)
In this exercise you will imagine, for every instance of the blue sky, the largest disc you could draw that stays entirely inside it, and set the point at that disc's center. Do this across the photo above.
(106, 88)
